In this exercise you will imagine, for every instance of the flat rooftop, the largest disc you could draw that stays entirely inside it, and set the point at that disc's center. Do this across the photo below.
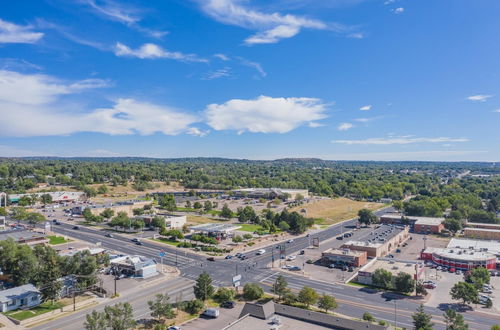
(376, 237)
(482, 229)
(345, 252)
(393, 265)
(474, 224)
(17, 235)
(251, 322)
(427, 221)
(464, 255)
(473, 244)
(214, 227)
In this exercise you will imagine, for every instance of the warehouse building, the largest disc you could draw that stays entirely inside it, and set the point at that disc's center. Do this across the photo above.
(344, 257)
(381, 241)
(482, 225)
(482, 233)
(421, 225)
(271, 193)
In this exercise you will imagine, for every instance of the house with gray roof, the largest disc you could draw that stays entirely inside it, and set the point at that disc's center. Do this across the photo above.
(24, 296)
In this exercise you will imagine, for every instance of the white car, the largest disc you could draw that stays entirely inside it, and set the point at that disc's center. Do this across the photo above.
(261, 252)
(290, 258)
(290, 241)
(174, 327)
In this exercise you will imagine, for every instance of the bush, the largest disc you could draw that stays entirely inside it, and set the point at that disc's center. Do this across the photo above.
(247, 236)
(224, 294)
(382, 322)
(193, 306)
(250, 243)
(252, 291)
(368, 317)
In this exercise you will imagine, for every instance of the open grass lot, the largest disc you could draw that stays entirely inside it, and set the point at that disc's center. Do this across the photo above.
(166, 241)
(54, 240)
(335, 210)
(46, 307)
(198, 220)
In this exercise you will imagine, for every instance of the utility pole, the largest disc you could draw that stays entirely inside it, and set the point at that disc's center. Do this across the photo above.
(176, 257)
(395, 314)
(115, 285)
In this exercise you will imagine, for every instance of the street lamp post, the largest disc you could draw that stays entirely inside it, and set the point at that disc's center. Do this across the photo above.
(395, 314)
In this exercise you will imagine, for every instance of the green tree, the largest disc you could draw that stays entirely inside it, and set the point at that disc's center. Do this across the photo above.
(203, 288)
(49, 273)
(108, 213)
(398, 205)
(284, 226)
(207, 206)
(120, 316)
(478, 276)
(35, 218)
(161, 308)
(367, 217)
(404, 282)
(252, 291)
(382, 278)
(197, 205)
(327, 302)
(422, 320)
(102, 189)
(3, 211)
(454, 320)
(307, 296)
(226, 212)
(46, 199)
(420, 289)
(95, 321)
(175, 234)
(158, 221)
(280, 286)
(224, 294)
(247, 236)
(237, 239)
(453, 225)
(495, 327)
(168, 202)
(464, 291)
(24, 201)
(138, 211)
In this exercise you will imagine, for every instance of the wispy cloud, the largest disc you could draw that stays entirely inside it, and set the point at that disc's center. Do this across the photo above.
(220, 73)
(345, 126)
(400, 140)
(222, 57)
(254, 65)
(270, 27)
(367, 120)
(398, 10)
(125, 14)
(356, 35)
(366, 107)
(152, 51)
(497, 110)
(479, 97)
(265, 114)
(18, 34)
(197, 132)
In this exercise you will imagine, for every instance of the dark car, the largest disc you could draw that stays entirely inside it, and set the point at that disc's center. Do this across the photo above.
(57, 223)
(302, 252)
(229, 257)
(76, 227)
(243, 257)
(211, 259)
(139, 243)
(344, 268)
(340, 238)
(228, 304)
(351, 269)
(109, 235)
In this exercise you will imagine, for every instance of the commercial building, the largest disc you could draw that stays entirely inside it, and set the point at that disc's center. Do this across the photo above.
(493, 226)
(171, 221)
(344, 256)
(421, 225)
(276, 316)
(465, 254)
(24, 296)
(134, 266)
(24, 237)
(482, 233)
(271, 193)
(57, 196)
(127, 207)
(381, 241)
(394, 266)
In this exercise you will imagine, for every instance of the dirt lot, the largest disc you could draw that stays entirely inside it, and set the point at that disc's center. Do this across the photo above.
(335, 210)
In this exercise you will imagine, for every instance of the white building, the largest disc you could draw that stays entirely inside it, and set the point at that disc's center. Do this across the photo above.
(24, 296)
(57, 196)
(135, 266)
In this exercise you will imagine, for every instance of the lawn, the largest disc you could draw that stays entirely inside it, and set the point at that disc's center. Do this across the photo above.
(54, 240)
(335, 210)
(46, 307)
(198, 220)
(166, 241)
(249, 227)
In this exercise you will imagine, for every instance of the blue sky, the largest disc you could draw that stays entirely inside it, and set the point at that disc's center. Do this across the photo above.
(334, 79)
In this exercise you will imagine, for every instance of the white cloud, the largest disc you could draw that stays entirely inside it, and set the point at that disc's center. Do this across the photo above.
(30, 105)
(366, 120)
(356, 35)
(345, 126)
(271, 27)
(220, 73)
(264, 114)
(366, 107)
(127, 15)
(399, 10)
(196, 131)
(254, 65)
(497, 110)
(152, 51)
(388, 2)
(13, 33)
(222, 57)
(399, 140)
(314, 124)
(479, 97)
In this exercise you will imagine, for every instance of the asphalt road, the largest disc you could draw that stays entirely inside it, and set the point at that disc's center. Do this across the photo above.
(353, 301)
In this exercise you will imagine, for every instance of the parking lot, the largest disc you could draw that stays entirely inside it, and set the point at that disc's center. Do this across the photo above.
(226, 317)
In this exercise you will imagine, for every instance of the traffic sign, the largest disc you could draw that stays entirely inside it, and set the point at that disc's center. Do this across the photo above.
(236, 284)
(237, 278)
(162, 254)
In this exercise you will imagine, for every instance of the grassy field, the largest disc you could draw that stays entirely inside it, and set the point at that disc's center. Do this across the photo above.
(249, 227)
(335, 210)
(41, 309)
(198, 220)
(54, 240)
(166, 241)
